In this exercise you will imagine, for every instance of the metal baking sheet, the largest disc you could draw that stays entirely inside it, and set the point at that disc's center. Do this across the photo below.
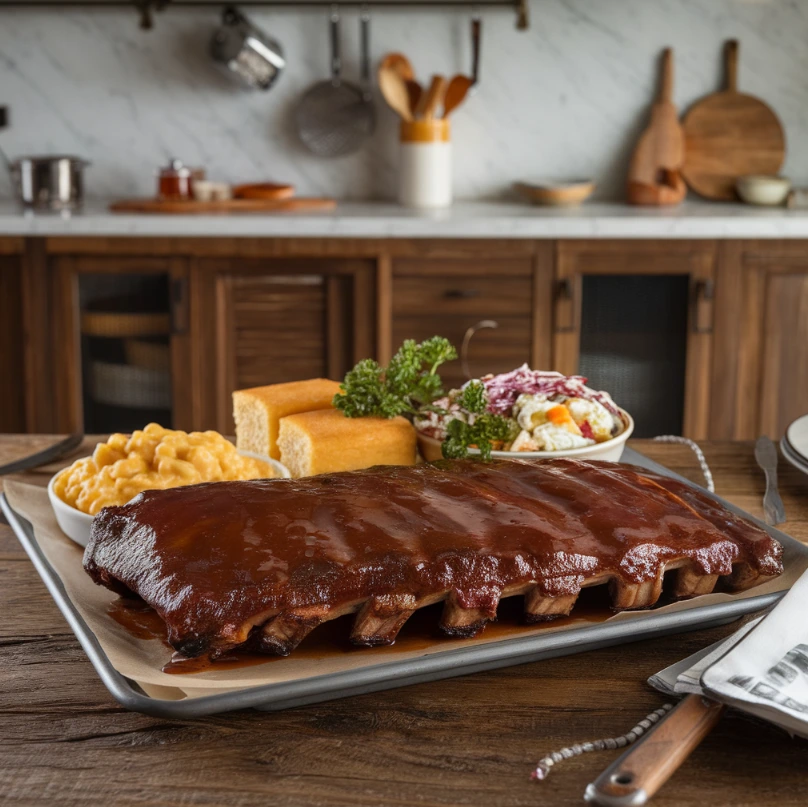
(392, 674)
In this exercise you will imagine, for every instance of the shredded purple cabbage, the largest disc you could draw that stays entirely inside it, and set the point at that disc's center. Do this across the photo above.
(504, 389)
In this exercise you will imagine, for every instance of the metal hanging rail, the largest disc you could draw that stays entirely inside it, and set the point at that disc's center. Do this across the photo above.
(519, 7)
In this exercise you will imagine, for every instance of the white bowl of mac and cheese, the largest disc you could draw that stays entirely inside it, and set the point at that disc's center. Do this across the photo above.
(153, 458)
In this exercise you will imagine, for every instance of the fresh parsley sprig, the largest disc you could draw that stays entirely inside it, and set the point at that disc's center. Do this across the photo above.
(409, 382)
(482, 430)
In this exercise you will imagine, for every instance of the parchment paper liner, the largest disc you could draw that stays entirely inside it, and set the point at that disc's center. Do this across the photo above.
(142, 659)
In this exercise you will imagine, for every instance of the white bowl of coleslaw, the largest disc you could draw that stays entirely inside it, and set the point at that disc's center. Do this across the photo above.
(609, 450)
(550, 415)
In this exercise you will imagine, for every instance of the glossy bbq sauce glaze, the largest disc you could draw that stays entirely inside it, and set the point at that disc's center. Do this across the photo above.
(216, 560)
(330, 640)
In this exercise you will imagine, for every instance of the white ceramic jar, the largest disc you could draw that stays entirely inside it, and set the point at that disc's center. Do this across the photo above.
(425, 167)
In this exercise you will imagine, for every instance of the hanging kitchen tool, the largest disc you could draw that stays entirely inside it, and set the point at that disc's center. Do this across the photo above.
(335, 117)
(654, 176)
(729, 135)
(246, 51)
(476, 37)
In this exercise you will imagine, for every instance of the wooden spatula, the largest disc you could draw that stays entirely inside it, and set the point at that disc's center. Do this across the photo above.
(456, 93)
(431, 99)
(729, 134)
(659, 154)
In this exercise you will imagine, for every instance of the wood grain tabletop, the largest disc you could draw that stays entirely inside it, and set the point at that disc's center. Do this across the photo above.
(471, 740)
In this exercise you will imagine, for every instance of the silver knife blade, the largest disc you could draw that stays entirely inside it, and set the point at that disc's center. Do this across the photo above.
(766, 455)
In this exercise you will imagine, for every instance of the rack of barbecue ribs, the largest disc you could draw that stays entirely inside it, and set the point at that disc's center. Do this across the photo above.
(260, 564)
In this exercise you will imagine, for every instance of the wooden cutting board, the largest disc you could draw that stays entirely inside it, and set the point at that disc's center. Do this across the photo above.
(729, 134)
(186, 206)
(659, 153)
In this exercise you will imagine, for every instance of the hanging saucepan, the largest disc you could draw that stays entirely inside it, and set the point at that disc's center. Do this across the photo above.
(246, 51)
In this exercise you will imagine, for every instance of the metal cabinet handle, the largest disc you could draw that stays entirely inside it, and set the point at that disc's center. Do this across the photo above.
(703, 295)
(565, 306)
(461, 294)
(464, 348)
(179, 305)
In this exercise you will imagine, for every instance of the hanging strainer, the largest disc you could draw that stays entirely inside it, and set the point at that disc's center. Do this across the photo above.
(334, 117)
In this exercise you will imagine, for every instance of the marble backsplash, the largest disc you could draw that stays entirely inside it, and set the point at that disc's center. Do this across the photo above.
(566, 98)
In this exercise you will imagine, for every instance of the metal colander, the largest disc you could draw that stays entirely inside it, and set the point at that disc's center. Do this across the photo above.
(334, 117)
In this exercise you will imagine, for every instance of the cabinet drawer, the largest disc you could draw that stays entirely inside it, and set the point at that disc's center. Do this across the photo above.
(450, 296)
(491, 351)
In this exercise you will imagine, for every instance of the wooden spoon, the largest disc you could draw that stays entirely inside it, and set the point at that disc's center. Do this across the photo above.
(400, 64)
(394, 90)
(456, 93)
(431, 98)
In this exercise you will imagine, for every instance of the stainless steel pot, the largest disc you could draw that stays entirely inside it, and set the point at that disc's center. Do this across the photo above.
(50, 183)
(245, 50)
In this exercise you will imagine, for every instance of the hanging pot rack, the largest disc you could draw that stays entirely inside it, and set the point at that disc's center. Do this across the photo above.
(146, 7)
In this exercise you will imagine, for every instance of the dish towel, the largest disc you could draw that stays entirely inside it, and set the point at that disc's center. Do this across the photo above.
(762, 669)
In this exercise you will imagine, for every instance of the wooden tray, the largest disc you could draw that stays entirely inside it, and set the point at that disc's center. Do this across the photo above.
(186, 206)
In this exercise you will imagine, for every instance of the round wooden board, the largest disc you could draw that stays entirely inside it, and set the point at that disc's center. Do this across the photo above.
(728, 135)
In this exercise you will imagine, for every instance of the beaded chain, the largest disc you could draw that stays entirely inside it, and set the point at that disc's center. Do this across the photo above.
(543, 768)
(705, 468)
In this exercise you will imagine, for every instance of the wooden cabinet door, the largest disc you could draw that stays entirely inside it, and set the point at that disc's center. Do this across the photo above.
(446, 297)
(762, 342)
(13, 399)
(691, 265)
(257, 322)
(60, 383)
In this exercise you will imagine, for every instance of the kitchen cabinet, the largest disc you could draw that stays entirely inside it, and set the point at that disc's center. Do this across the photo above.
(264, 321)
(89, 367)
(447, 295)
(761, 379)
(636, 317)
(701, 338)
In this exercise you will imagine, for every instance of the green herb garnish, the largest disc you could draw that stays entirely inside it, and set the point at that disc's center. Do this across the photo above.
(409, 382)
(486, 428)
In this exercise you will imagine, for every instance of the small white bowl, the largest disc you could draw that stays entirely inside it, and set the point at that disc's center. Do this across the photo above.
(768, 191)
(609, 450)
(76, 525)
(72, 522)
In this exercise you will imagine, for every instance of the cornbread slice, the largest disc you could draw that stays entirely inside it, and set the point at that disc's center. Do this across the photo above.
(258, 410)
(324, 441)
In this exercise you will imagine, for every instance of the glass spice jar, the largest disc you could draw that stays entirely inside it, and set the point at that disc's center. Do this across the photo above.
(174, 181)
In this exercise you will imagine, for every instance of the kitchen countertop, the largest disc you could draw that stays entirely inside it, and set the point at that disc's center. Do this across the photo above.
(465, 741)
(463, 220)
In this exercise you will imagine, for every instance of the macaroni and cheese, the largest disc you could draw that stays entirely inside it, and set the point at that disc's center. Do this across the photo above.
(154, 458)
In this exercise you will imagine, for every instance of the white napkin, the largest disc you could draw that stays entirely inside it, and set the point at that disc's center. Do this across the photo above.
(762, 669)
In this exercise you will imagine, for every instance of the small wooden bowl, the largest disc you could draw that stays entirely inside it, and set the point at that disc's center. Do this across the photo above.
(263, 190)
(561, 193)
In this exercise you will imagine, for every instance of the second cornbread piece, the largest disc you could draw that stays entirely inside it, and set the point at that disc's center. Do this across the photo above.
(325, 441)
(257, 411)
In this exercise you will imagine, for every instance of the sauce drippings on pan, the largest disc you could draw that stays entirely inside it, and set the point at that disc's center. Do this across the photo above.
(330, 640)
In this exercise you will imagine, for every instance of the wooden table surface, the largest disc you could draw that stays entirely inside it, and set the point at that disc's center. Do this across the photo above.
(468, 741)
